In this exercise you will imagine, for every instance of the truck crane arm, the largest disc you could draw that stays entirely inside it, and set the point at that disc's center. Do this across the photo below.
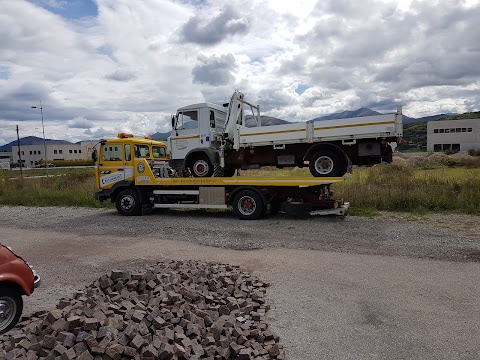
(236, 115)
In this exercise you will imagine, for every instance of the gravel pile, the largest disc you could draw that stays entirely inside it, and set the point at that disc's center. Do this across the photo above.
(430, 160)
(173, 310)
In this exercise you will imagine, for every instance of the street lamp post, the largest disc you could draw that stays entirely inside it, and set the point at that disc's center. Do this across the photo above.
(43, 130)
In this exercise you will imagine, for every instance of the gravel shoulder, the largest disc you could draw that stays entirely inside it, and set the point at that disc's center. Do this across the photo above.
(396, 286)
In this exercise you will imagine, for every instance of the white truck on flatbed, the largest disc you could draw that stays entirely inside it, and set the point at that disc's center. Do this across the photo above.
(134, 174)
(206, 137)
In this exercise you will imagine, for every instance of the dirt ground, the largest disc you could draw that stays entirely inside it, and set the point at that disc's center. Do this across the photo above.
(394, 287)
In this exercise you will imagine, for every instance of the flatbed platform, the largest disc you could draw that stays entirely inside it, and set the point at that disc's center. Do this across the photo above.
(249, 181)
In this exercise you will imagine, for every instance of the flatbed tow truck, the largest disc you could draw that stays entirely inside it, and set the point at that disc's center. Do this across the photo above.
(138, 182)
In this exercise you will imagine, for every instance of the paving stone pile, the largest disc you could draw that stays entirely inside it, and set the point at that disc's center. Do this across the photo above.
(173, 310)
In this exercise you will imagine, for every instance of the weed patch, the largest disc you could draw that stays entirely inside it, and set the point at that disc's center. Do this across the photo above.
(369, 190)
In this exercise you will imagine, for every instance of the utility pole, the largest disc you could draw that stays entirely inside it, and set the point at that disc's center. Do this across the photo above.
(43, 129)
(19, 155)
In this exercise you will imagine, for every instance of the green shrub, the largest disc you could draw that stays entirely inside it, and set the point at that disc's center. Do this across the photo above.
(451, 152)
(451, 162)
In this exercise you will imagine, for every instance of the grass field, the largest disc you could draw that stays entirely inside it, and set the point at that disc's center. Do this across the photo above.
(64, 187)
(401, 188)
(369, 190)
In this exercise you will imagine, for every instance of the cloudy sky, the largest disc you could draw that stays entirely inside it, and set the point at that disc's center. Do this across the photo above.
(104, 66)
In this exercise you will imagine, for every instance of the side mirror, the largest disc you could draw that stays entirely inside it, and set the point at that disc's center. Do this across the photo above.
(94, 155)
(174, 122)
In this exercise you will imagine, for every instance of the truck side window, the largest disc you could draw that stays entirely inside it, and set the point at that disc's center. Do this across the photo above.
(128, 153)
(187, 120)
(212, 119)
(112, 153)
(141, 151)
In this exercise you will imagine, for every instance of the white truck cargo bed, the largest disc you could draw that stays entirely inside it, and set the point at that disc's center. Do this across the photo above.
(376, 126)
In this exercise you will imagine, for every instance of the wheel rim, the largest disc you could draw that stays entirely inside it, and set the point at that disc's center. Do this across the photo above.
(324, 165)
(8, 308)
(127, 203)
(247, 205)
(201, 168)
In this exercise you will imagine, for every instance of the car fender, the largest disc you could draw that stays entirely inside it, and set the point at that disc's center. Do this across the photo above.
(18, 273)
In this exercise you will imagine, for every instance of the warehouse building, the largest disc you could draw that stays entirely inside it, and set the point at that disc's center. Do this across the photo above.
(456, 135)
(32, 154)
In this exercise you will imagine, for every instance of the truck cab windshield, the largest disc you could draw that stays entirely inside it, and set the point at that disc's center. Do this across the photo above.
(159, 152)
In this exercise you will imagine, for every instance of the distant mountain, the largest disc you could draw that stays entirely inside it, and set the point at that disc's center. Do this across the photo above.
(265, 120)
(161, 136)
(407, 120)
(359, 113)
(469, 115)
(32, 140)
(348, 114)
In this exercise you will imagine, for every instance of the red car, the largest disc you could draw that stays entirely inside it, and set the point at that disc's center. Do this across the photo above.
(17, 278)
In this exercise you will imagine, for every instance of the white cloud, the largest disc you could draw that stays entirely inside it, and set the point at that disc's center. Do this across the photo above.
(79, 123)
(136, 62)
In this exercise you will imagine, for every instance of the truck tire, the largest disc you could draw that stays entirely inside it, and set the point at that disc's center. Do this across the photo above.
(147, 209)
(248, 205)
(326, 163)
(200, 166)
(387, 154)
(11, 307)
(128, 203)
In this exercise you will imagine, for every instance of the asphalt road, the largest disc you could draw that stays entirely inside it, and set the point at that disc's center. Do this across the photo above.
(393, 287)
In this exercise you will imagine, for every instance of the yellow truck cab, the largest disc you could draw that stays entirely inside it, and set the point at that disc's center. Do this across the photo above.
(116, 162)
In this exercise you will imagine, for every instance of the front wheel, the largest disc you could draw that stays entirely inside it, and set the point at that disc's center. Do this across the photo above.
(201, 166)
(128, 203)
(11, 307)
(248, 205)
(326, 163)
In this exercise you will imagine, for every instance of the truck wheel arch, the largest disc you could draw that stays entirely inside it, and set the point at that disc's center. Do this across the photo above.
(121, 185)
(334, 157)
(324, 146)
(241, 188)
(210, 153)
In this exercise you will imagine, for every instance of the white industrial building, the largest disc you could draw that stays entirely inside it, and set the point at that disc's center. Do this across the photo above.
(32, 154)
(456, 135)
(87, 148)
(5, 160)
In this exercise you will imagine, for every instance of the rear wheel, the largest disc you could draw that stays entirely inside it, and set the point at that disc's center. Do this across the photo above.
(200, 166)
(11, 307)
(387, 153)
(248, 205)
(128, 203)
(326, 163)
